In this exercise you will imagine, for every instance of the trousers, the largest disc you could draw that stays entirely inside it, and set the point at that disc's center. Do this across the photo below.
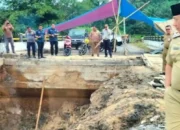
(172, 109)
(95, 50)
(40, 49)
(29, 46)
(7, 41)
(107, 47)
(54, 44)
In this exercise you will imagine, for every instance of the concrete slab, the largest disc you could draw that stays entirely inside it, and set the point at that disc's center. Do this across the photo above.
(154, 61)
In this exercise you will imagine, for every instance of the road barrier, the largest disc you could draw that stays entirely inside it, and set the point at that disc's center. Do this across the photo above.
(60, 38)
(154, 42)
(154, 38)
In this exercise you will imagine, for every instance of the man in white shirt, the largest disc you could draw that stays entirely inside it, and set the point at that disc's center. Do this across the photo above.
(106, 33)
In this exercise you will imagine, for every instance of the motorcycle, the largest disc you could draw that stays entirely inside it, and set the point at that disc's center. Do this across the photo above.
(84, 47)
(67, 46)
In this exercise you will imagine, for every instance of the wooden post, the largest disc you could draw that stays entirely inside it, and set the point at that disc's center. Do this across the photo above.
(40, 105)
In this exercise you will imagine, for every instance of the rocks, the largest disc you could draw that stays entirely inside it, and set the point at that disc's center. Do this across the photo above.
(149, 127)
(155, 118)
(14, 111)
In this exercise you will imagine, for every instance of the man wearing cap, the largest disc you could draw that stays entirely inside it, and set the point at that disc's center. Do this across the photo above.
(172, 94)
(167, 40)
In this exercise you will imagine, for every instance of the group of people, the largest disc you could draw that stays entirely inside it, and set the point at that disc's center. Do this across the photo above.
(96, 37)
(171, 58)
(32, 37)
(39, 36)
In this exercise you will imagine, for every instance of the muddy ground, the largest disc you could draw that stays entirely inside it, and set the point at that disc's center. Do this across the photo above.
(125, 102)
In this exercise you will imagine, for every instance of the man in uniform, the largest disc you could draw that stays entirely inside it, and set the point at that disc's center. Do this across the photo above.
(40, 34)
(95, 38)
(53, 33)
(167, 40)
(172, 94)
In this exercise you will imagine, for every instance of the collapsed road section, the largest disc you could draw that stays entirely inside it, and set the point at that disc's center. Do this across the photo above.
(65, 77)
(75, 92)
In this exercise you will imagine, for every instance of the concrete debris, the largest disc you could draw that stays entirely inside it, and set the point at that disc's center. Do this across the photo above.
(149, 127)
(158, 82)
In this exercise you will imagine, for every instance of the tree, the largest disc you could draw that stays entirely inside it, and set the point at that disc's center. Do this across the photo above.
(23, 13)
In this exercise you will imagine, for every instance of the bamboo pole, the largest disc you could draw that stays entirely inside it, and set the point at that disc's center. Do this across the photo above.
(40, 105)
(117, 21)
(117, 24)
(115, 17)
(133, 13)
(41, 99)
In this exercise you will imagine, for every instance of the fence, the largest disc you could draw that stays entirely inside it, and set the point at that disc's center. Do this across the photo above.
(154, 42)
(60, 38)
(154, 38)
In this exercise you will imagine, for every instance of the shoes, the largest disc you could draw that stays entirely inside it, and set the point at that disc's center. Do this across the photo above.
(34, 56)
(92, 55)
(43, 57)
(105, 56)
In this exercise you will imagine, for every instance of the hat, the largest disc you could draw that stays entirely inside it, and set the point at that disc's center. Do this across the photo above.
(175, 9)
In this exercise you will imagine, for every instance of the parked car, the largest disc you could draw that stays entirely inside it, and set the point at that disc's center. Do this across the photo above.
(159, 51)
(113, 37)
(77, 36)
(118, 39)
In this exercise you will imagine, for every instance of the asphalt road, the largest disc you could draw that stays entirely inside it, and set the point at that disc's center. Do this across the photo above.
(21, 46)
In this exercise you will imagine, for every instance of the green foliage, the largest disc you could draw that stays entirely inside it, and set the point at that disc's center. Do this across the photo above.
(23, 13)
(141, 45)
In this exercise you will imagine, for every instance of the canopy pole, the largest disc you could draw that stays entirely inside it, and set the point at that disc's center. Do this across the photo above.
(124, 27)
(133, 13)
(125, 40)
(117, 25)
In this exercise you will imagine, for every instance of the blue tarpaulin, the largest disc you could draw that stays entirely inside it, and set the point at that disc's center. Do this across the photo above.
(106, 11)
(127, 9)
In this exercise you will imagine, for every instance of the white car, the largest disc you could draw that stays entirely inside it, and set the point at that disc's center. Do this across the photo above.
(118, 38)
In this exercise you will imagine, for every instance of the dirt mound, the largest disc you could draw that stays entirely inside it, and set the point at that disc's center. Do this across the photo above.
(121, 103)
(124, 102)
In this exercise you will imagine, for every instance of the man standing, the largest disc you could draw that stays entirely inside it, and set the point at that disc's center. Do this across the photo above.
(53, 33)
(106, 33)
(30, 35)
(167, 40)
(95, 38)
(172, 94)
(40, 35)
(8, 29)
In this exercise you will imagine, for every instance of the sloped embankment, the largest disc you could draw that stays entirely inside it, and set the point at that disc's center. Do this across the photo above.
(122, 103)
